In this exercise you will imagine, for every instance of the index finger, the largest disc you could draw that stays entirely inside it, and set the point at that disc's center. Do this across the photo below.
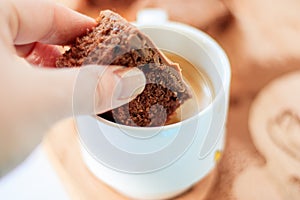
(44, 21)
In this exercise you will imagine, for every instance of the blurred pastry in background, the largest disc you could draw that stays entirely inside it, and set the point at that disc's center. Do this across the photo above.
(201, 14)
(274, 124)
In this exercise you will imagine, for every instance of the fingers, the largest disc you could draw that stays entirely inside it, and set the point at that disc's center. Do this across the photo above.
(45, 21)
(87, 90)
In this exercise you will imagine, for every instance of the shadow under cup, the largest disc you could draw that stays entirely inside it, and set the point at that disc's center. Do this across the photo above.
(161, 162)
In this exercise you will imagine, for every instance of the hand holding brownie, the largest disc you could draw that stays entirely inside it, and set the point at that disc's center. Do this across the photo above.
(33, 98)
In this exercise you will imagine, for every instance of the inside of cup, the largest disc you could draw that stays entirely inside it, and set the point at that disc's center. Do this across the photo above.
(198, 49)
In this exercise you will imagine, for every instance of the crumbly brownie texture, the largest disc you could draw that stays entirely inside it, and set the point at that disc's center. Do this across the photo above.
(114, 41)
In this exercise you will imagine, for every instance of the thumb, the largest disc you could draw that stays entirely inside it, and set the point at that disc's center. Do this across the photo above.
(98, 89)
(90, 89)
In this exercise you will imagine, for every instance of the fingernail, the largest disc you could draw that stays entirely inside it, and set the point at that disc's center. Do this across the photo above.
(132, 83)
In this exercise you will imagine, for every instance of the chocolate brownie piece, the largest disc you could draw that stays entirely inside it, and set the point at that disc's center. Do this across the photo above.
(114, 41)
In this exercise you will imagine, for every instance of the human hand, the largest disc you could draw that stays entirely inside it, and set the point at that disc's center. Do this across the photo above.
(33, 98)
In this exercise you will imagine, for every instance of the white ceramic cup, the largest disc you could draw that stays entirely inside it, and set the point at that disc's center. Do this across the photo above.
(162, 162)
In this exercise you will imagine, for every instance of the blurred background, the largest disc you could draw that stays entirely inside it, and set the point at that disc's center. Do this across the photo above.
(261, 38)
